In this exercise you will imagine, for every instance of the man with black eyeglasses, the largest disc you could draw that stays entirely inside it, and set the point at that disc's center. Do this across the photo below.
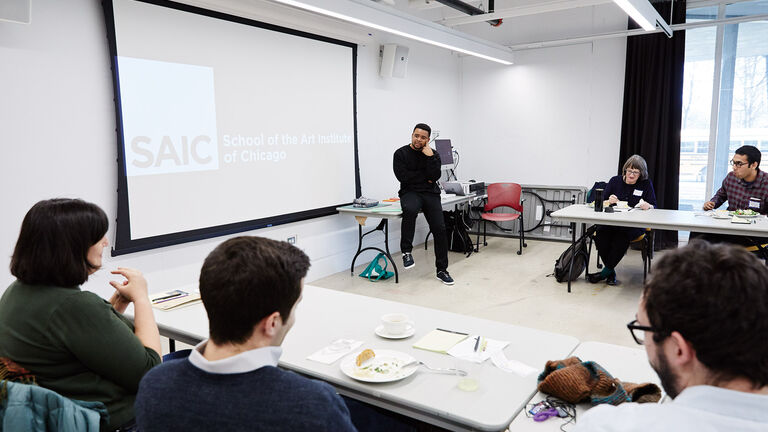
(702, 320)
(745, 188)
(745, 185)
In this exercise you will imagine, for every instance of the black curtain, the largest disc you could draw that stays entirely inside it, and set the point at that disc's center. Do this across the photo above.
(653, 100)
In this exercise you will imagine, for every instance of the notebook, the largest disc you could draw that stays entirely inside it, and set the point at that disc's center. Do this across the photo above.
(173, 299)
(439, 341)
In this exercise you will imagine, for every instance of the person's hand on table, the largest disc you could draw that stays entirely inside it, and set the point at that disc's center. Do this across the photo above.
(133, 288)
(709, 205)
(645, 206)
(613, 199)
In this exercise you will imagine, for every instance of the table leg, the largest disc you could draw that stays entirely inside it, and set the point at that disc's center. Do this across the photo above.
(573, 245)
(383, 226)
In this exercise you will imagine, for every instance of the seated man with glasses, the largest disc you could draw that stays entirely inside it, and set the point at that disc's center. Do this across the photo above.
(612, 242)
(745, 188)
(702, 319)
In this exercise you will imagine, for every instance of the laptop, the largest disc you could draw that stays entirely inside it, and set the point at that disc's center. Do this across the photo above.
(454, 188)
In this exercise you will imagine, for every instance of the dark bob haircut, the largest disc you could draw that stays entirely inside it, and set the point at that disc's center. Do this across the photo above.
(53, 244)
(246, 279)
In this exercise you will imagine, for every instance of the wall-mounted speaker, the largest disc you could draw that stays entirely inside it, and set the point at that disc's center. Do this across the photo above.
(394, 61)
(16, 11)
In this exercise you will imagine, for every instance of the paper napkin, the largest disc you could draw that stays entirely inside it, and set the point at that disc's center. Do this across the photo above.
(336, 350)
(513, 366)
(739, 220)
(465, 350)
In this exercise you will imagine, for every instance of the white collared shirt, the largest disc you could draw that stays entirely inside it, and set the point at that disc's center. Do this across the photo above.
(244, 362)
(699, 408)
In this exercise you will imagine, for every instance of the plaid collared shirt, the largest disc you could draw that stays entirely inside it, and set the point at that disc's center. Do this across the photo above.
(737, 192)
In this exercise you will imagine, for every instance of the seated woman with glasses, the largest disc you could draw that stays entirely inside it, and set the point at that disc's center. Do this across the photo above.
(634, 187)
(74, 342)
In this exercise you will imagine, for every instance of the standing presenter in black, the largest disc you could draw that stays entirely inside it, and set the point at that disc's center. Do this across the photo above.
(417, 167)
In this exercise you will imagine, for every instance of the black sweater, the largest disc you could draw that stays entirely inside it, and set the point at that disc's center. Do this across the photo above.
(416, 171)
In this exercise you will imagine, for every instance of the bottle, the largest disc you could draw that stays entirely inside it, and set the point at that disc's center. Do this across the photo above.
(598, 200)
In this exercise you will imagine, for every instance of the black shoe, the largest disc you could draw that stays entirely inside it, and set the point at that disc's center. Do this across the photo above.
(445, 277)
(595, 277)
(408, 260)
(612, 281)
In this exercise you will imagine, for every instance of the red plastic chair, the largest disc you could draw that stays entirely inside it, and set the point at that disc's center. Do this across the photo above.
(503, 195)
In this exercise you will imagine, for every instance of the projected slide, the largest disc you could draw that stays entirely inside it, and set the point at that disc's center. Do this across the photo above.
(225, 122)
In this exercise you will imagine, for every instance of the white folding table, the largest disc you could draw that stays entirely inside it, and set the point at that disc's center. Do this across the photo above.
(324, 316)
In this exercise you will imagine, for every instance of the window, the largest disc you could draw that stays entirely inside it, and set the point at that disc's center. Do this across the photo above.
(738, 74)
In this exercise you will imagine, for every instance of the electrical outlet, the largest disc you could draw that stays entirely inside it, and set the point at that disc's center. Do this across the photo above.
(292, 239)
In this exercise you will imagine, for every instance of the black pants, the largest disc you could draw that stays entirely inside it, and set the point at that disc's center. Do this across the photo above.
(429, 203)
(728, 238)
(612, 243)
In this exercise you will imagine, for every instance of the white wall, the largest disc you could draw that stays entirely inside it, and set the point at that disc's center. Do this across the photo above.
(554, 117)
(57, 131)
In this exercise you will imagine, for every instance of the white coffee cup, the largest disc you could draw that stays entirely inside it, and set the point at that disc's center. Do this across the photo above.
(395, 323)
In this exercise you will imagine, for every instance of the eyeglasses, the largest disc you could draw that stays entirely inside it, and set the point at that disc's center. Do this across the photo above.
(738, 164)
(637, 330)
(633, 172)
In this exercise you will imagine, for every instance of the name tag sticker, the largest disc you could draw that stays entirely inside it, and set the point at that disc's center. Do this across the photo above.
(637, 192)
(754, 204)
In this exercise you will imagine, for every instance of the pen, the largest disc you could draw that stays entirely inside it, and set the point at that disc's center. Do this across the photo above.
(451, 331)
(477, 342)
(176, 294)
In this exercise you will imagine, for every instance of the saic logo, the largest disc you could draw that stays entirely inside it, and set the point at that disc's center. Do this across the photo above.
(171, 154)
(196, 150)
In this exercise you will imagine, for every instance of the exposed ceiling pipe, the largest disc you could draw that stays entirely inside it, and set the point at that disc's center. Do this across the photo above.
(469, 9)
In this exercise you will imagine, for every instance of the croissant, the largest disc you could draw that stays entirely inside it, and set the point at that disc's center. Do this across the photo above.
(367, 354)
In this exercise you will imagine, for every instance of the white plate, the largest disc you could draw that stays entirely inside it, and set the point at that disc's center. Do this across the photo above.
(743, 216)
(721, 216)
(410, 331)
(384, 367)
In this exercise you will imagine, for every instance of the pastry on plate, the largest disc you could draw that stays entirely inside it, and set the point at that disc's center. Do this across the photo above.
(367, 354)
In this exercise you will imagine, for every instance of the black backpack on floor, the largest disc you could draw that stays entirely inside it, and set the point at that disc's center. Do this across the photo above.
(457, 226)
(578, 251)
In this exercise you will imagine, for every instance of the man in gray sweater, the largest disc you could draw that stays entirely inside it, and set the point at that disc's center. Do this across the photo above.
(250, 287)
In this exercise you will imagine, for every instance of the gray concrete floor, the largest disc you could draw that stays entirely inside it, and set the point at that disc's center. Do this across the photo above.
(497, 284)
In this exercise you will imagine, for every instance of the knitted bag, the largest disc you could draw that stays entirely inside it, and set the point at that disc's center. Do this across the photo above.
(574, 381)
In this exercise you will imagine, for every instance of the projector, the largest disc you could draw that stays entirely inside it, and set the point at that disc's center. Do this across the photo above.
(474, 187)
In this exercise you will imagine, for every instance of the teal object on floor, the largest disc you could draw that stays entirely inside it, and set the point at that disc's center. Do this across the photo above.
(375, 271)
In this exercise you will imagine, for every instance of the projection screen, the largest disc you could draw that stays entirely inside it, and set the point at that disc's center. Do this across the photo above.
(226, 124)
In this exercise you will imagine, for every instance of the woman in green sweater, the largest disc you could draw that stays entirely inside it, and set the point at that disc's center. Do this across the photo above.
(73, 341)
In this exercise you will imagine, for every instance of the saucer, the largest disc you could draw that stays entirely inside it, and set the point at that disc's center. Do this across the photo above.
(410, 331)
